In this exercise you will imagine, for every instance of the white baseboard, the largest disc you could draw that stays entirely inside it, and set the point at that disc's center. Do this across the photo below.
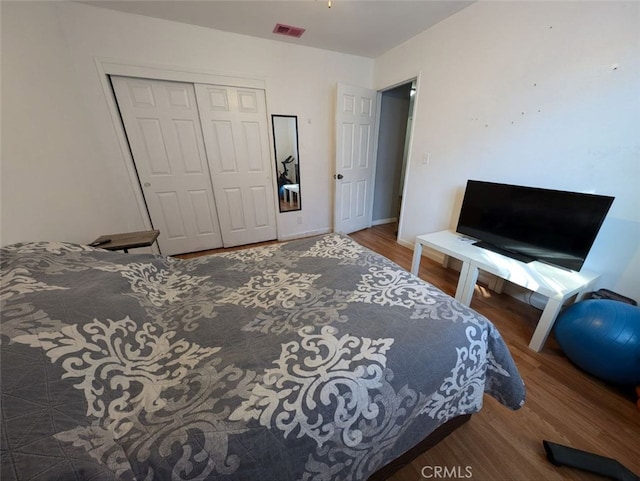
(309, 233)
(384, 221)
(404, 243)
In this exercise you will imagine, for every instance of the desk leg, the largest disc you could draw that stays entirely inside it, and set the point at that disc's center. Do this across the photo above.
(417, 255)
(545, 324)
(466, 283)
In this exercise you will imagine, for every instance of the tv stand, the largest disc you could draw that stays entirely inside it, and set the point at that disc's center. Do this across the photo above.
(505, 252)
(557, 284)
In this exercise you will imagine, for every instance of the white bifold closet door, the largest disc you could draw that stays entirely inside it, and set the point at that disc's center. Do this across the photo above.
(164, 128)
(234, 124)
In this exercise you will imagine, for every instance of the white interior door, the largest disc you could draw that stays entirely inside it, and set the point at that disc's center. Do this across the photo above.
(355, 154)
(234, 124)
(163, 128)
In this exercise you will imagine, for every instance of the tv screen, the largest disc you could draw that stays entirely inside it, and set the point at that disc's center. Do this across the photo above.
(528, 223)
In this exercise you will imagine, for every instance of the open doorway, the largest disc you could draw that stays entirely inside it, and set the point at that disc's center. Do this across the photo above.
(396, 117)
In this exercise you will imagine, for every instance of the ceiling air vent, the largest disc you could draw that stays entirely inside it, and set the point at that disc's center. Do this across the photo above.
(288, 30)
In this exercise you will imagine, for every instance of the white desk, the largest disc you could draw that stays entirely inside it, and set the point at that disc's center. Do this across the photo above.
(290, 191)
(555, 283)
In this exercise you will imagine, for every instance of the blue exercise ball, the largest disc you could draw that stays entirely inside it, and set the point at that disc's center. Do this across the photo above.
(602, 337)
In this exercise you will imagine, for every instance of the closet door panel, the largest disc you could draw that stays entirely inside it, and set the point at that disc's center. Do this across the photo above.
(235, 131)
(163, 128)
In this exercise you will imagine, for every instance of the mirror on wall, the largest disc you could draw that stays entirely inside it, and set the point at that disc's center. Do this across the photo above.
(285, 141)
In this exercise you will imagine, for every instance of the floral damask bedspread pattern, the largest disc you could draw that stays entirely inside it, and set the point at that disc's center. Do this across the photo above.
(315, 359)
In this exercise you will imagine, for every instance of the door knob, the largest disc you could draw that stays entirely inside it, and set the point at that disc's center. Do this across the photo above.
(339, 176)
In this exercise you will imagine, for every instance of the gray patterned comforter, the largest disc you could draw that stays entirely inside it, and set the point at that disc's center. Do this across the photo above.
(315, 359)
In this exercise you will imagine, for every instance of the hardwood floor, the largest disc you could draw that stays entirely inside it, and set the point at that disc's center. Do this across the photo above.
(564, 405)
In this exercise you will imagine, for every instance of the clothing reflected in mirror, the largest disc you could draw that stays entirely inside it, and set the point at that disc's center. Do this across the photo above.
(285, 141)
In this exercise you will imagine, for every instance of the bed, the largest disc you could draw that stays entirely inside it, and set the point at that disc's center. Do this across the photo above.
(315, 359)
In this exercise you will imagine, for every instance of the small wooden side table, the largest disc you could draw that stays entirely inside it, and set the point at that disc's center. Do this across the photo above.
(126, 241)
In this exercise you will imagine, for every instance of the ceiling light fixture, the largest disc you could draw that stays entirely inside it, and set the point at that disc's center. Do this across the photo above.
(329, 4)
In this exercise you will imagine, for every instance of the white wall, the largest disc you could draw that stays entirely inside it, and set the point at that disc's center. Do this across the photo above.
(49, 166)
(64, 175)
(534, 93)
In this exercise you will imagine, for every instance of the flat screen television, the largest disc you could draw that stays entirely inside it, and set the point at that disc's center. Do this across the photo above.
(528, 223)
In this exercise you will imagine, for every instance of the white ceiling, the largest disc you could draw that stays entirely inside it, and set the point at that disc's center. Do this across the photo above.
(360, 27)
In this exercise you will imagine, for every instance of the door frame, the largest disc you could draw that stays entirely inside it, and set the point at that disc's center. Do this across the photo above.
(109, 66)
(405, 80)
